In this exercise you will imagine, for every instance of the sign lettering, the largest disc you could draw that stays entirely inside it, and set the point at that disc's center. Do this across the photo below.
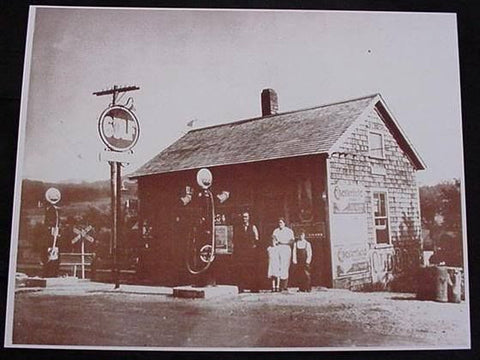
(118, 128)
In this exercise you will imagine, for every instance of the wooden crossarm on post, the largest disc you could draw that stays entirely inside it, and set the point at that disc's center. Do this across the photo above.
(116, 89)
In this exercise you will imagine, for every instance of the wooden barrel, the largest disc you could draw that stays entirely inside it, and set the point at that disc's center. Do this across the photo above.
(454, 290)
(442, 281)
(433, 284)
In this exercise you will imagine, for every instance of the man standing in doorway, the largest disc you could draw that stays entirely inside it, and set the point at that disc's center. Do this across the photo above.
(246, 254)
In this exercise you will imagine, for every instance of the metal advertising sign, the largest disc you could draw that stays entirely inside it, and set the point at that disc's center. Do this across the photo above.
(350, 259)
(349, 232)
(348, 199)
(116, 156)
(349, 237)
(223, 239)
(119, 128)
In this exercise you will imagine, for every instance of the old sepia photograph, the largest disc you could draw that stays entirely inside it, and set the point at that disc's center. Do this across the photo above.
(213, 179)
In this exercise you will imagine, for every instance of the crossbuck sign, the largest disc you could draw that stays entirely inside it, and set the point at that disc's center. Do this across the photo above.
(83, 234)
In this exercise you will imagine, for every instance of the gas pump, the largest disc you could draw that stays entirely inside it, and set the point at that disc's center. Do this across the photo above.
(52, 222)
(201, 245)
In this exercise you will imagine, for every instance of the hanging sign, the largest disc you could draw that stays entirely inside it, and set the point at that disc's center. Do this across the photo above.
(122, 157)
(119, 128)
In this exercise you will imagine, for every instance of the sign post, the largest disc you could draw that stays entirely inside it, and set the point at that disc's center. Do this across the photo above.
(119, 130)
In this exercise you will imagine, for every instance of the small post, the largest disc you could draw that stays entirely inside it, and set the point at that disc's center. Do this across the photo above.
(83, 259)
(114, 207)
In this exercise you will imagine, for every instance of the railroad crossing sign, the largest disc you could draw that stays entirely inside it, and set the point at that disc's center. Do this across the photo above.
(83, 234)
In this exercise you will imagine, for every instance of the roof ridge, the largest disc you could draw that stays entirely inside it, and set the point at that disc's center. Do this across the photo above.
(284, 113)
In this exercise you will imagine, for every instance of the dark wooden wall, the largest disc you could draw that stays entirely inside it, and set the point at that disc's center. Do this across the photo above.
(291, 188)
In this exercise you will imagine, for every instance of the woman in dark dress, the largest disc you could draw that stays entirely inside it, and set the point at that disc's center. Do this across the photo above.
(302, 257)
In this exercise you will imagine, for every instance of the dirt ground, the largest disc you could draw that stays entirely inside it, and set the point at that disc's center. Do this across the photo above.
(94, 314)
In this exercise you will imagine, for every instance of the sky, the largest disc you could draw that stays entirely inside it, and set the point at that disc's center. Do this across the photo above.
(211, 66)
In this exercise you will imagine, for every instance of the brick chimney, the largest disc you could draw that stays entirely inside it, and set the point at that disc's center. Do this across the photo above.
(269, 102)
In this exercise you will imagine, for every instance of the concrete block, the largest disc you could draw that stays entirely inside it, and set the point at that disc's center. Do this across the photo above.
(207, 292)
(30, 282)
(36, 282)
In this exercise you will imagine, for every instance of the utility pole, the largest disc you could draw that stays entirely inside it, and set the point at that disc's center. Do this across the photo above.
(115, 184)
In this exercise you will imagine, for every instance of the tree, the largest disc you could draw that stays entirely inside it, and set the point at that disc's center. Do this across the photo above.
(442, 216)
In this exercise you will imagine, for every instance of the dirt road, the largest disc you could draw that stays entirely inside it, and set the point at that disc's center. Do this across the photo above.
(323, 318)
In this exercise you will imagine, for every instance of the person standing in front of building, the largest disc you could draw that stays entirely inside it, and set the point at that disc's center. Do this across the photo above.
(284, 238)
(302, 257)
(273, 272)
(246, 254)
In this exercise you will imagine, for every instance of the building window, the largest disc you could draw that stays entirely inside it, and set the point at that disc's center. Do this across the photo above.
(381, 217)
(375, 142)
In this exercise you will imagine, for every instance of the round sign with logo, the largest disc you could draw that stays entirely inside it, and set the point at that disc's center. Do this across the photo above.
(119, 128)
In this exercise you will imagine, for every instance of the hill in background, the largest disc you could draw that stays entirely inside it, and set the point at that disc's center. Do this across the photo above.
(81, 204)
(33, 192)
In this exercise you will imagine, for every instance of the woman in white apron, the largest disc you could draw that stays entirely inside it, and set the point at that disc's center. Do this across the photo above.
(281, 255)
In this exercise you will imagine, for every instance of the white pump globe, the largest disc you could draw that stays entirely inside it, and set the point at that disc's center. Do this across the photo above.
(204, 178)
(53, 195)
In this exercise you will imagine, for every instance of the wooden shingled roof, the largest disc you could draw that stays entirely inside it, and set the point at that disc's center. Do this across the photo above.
(290, 134)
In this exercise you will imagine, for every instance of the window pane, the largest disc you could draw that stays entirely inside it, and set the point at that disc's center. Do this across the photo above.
(376, 145)
(382, 236)
(376, 204)
(380, 224)
(380, 217)
(379, 205)
(382, 205)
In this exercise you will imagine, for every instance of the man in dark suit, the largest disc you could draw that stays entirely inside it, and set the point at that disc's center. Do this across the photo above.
(246, 254)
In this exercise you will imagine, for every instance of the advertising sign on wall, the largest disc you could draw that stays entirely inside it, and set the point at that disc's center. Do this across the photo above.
(349, 232)
(348, 199)
(351, 259)
(223, 239)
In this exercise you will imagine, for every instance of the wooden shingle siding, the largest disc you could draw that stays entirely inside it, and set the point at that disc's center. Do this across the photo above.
(265, 162)
(353, 165)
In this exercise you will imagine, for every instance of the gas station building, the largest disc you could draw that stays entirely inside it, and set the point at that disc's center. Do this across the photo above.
(344, 172)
